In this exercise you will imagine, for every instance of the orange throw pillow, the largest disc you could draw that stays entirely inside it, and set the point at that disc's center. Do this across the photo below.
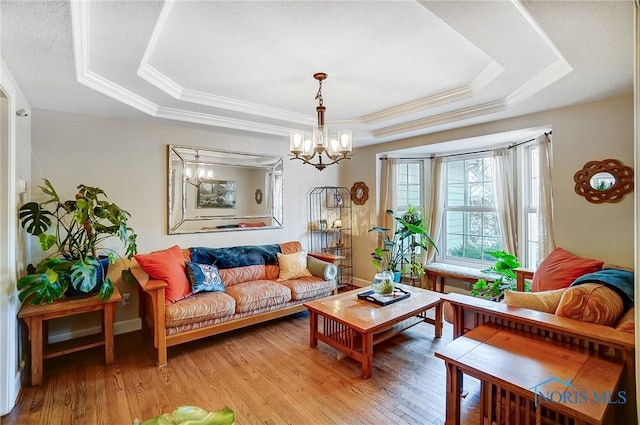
(591, 302)
(167, 265)
(560, 269)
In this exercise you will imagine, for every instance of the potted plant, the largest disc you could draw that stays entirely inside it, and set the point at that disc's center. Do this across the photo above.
(397, 252)
(504, 266)
(79, 226)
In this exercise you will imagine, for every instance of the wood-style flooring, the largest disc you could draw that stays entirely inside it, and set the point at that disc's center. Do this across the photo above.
(268, 374)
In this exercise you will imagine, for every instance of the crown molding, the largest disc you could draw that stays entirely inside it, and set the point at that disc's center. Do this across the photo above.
(490, 73)
(542, 80)
(444, 118)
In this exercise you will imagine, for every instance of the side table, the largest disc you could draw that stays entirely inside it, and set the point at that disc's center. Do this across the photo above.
(36, 316)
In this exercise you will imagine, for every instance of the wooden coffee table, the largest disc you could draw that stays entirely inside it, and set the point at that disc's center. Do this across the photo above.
(353, 326)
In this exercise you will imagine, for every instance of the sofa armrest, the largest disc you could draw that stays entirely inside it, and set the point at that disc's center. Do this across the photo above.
(321, 269)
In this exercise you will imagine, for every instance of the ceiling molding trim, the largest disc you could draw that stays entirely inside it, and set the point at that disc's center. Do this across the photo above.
(444, 118)
(117, 92)
(490, 73)
(159, 80)
(554, 72)
(218, 121)
(80, 31)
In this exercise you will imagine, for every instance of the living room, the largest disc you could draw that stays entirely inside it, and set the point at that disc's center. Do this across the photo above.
(104, 142)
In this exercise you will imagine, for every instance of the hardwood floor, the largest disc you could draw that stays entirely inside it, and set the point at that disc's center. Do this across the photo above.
(268, 374)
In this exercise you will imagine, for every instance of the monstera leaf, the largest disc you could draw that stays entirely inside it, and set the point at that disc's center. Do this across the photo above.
(35, 220)
(83, 274)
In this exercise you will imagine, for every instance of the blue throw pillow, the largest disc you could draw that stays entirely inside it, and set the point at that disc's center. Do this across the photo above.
(203, 277)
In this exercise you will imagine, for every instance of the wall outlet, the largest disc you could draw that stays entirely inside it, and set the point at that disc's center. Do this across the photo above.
(125, 298)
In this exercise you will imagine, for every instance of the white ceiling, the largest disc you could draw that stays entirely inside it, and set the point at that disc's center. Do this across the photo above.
(396, 68)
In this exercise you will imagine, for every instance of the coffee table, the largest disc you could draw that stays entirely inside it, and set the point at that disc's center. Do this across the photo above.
(353, 326)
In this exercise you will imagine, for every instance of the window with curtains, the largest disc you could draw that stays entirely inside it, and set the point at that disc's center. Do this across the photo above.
(470, 221)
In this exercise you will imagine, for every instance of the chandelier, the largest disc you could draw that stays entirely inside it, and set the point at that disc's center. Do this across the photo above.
(196, 172)
(305, 146)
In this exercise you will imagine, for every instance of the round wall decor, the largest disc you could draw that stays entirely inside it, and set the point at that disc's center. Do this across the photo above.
(258, 196)
(359, 193)
(604, 181)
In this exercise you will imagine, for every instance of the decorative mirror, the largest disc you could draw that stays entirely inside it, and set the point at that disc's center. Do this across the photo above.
(604, 181)
(214, 190)
(359, 193)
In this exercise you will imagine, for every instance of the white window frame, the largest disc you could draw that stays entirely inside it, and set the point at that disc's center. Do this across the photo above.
(525, 207)
(442, 240)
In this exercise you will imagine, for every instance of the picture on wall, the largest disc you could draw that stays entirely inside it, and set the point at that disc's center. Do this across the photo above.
(217, 194)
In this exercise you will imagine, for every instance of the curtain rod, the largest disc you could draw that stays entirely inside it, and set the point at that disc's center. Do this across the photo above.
(474, 152)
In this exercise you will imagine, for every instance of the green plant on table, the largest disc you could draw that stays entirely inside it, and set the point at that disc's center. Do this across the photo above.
(399, 249)
(78, 228)
(504, 268)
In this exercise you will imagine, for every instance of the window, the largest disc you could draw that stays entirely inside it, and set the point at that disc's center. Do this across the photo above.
(470, 225)
(529, 240)
(409, 186)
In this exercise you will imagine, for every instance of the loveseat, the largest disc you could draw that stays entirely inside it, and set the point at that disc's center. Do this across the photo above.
(187, 294)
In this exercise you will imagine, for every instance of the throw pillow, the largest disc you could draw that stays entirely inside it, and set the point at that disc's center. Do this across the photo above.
(167, 265)
(293, 266)
(204, 277)
(591, 302)
(560, 269)
(546, 301)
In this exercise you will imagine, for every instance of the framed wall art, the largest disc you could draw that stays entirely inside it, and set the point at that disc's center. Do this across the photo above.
(217, 194)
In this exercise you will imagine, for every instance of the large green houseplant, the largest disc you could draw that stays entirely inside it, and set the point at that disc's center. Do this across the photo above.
(78, 227)
(397, 251)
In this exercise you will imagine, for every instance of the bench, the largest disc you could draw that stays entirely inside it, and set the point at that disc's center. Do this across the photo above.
(438, 272)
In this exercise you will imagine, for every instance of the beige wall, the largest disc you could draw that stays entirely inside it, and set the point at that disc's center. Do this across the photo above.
(582, 133)
(128, 160)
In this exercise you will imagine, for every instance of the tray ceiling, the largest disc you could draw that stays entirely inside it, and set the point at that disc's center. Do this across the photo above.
(396, 68)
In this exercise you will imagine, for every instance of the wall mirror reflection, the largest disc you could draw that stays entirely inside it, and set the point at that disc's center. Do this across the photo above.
(602, 181)
(214, 190)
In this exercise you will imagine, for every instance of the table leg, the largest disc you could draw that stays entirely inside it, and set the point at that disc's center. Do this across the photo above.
(367, 354)
(35, 334)
(438, 323)
(454, 385)
(313, 328)
(109, 352)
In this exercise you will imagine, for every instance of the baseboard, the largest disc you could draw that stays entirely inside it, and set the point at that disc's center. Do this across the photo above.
(361, 282)
(118, 328)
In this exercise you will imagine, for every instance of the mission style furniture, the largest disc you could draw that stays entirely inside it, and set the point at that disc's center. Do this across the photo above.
(36, 317)
(253, 287)
(607, 356)
(353, 326)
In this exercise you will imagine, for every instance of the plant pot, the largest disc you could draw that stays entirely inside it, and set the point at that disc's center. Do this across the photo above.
(101, 272)
(397, 276)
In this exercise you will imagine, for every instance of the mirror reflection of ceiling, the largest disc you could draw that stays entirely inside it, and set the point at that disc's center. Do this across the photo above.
(396, 69)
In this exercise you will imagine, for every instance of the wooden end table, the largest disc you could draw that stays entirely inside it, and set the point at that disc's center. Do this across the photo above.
(518, 369)
(36, 316)
(353, 326)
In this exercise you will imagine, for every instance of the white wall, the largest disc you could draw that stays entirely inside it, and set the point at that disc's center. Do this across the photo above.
(128, 160)
(15, 142)
(582, 133)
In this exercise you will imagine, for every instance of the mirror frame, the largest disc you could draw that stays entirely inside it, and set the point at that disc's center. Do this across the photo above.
(178, 221)
(622, 174)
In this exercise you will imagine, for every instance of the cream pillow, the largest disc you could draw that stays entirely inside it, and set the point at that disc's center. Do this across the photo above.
(293, 266)
(546, 301)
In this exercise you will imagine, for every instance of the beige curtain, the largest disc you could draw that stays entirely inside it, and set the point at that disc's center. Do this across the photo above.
(545, 202)
(435, 207)
(387, 192)
(504, 194)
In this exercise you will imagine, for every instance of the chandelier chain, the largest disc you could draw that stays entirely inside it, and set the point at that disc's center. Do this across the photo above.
(319, 94)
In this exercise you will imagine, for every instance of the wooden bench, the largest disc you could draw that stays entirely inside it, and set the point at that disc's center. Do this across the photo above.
(438, 272)
(470, 313)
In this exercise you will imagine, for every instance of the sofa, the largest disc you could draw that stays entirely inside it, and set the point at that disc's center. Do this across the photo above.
(187, 294)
